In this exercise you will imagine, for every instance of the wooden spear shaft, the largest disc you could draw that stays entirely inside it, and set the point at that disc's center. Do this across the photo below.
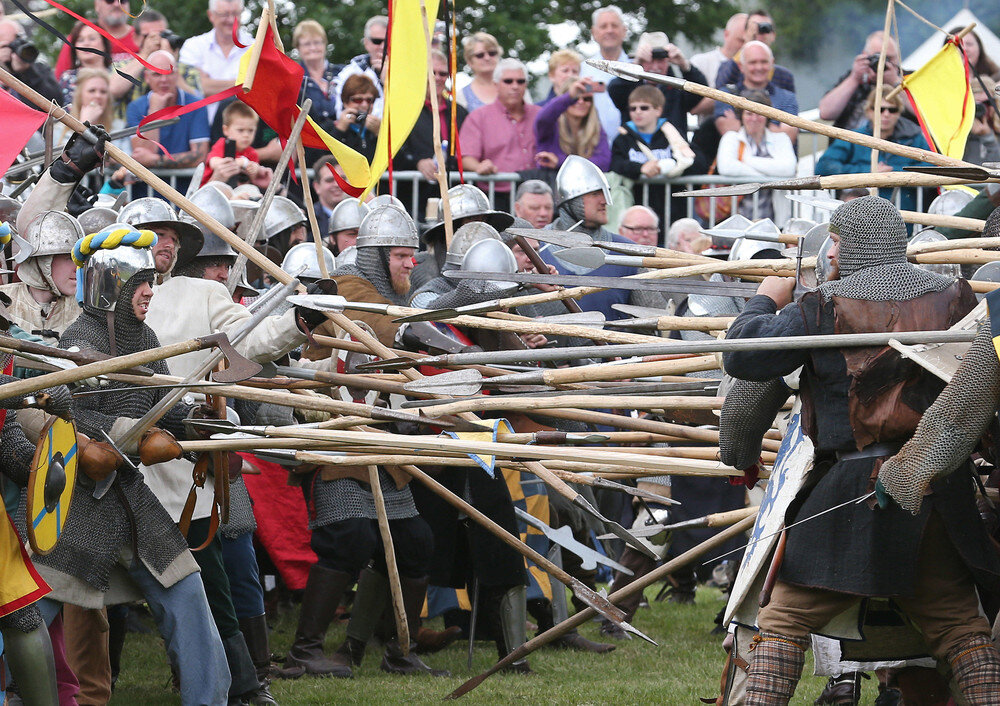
(395, 586)
(442, 176)
(528, 404)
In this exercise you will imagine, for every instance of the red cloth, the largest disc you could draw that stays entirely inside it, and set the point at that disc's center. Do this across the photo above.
(219, 150)
(282, 520)
(20, 122)
(64, 63)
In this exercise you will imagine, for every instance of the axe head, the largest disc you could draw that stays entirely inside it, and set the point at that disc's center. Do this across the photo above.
(240, 368)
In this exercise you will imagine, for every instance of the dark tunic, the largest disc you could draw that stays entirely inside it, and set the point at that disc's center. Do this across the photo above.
(854, 399)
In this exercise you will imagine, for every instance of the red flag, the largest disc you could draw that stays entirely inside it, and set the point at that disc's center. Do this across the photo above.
(20, 122)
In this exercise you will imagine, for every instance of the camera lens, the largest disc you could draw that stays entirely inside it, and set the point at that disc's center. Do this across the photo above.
(27, 51)
(659, 54)
(765, 28)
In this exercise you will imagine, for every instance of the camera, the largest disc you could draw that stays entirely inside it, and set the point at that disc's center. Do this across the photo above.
(25, 50)
(873, 62)
(980, 111)
(660, 54)
(765, 28)
(360, 118)
(173, 39)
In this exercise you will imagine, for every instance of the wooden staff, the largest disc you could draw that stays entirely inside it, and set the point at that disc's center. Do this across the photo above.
(395, 586)
(442, 175)
(529, 404)
(935, 220)
(300, 151)
(585, 615)
(876, 119)
(687, 323)
(957, 244)
(956, 257)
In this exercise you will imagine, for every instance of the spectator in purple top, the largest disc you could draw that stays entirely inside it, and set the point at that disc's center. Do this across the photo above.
(568, 124)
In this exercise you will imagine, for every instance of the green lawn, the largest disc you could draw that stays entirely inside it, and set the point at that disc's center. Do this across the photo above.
(684, 667)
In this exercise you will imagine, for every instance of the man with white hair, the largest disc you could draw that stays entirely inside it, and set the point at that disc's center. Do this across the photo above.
(215, 54)
(533, 202)
(657, 55)
(500, 137)
(369, 63)
(685, 236)
(641, 224)
(608, 29)
(757, 66)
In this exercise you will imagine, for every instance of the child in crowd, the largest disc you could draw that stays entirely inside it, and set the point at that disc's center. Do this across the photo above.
(232, 159)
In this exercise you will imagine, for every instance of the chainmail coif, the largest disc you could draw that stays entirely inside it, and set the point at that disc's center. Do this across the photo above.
(950, 428)
(992, 227)
(747, 414)
(373, 265)
(872, 262)
(97, 530)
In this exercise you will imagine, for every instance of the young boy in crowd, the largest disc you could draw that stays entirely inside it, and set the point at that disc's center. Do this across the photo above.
(231, 158)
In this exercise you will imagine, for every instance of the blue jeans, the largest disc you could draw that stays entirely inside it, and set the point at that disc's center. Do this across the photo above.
(244, 577)
(186, 625)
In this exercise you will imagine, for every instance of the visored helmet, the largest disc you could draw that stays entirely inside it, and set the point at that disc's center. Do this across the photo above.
(107, 271)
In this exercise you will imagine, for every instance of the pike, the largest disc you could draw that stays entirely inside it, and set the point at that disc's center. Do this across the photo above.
(835, 181)
(576, 239)
(638, 388)
(850, 340)
(40, 350)
(595, 257)
(533, 403)
(926, 219)
(675, 323)
(721, 289)
(600, 482)
(715, 519)
(633, 72)
(563, 536)
(585, 615)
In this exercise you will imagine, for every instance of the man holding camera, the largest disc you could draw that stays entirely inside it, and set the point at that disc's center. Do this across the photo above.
(760, 28)
(844, 104)
(19, 56)
(657, 55)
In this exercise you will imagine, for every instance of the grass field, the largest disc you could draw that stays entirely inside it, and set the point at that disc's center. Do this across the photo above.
(684, 667)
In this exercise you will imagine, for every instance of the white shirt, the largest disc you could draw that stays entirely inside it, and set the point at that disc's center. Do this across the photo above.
(203, 52)
(708, 63)
(611, 118)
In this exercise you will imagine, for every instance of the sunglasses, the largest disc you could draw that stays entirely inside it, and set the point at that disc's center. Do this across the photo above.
(640, 108)
(377, 41)
(120, 2)
(442, 74)
(518, 81)
(887, 109)
(484, 54)
(358, 100)
(585, 99)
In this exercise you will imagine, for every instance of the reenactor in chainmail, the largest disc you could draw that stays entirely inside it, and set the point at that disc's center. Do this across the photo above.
(345, 219)
(859, 407)
(125, 538)
(342, 515)
(467, 204)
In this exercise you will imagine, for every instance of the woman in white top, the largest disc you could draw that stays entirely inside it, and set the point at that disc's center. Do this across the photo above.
(754, 150)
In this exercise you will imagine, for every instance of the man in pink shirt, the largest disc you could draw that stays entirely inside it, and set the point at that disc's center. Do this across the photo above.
(500, 137)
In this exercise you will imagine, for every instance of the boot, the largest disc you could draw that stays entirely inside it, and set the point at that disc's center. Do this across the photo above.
(414, 592)
(639, 565)
(319, 603)
(429, 641)
(255, 633)
(843, 690)
(244, 685)
(976, 665)
(774, 670)
(32, 664)
(370, 601)
(512, 633)
(575, 641)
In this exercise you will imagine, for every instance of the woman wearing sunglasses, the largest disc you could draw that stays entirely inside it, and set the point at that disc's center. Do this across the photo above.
(356, 126)
(482, 52)
(846, 158)
(568, 124)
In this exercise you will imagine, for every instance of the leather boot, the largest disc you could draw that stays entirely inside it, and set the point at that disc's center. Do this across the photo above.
(241, 668)
(640, 565)
(513, 632)
(575, 641)
(842, 690)
(324, 589)
(429, 641)
(32, 664)
(774, 670)
(414, 592)
(370, 603)
(976, 664)
(255, 633)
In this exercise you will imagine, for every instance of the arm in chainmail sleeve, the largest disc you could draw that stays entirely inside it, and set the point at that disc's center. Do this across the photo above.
(747, 414)
(17, 452)
(950, 428)
(759, 320)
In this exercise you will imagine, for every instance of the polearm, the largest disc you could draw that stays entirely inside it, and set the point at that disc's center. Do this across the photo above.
(586, 614)
(746, 344)
(634, 72)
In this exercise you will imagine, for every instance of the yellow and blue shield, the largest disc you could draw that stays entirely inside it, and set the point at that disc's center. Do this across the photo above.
(50, 487)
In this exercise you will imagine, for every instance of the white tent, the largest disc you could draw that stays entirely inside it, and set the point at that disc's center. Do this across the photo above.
(963, 18)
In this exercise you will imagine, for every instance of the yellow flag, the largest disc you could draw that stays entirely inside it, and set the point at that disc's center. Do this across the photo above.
(940, 91)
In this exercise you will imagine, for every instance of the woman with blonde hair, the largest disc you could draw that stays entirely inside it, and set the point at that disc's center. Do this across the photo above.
(482, 52)
(568, 124)
(564, 69)
(92, 103)
(310, 41)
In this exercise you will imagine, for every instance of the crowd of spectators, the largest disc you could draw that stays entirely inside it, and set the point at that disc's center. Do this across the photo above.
(633, 131)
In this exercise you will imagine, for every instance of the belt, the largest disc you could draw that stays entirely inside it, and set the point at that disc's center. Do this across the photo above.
(885, 448)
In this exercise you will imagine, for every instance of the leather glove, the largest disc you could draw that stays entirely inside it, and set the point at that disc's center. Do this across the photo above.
(158, 446)
(311, 317)
(97, 458)
(80, 156)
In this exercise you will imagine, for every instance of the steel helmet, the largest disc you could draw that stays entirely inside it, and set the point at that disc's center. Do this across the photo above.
(467, 201)
(929, 235)
(748, 247)
(489, 255)
(950, 202)
(388, 227)
(282, 215)
(578, 176)
(347, 214)
(304, 254)
(97, 218)
(384, 200)
(347, 256)
(107, 271)
(52, 233)
(214, 203)
(465, 238)
(151, 213)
